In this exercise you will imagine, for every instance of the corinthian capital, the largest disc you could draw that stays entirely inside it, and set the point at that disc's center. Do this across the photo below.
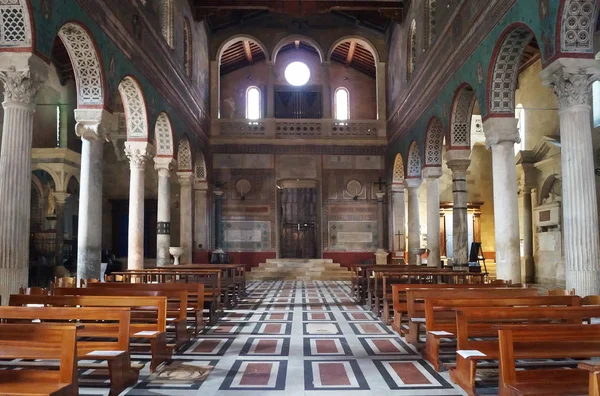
(23, 78)
(185, 178)
(571, 80)
(501, 129)
(138, 154)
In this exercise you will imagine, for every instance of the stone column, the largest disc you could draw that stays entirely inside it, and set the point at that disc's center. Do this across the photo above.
(527, 183)
(458, 161)
(186, 215)
(218, 222)
(501, 134)
(399, 217)
(534, 203)
(571, 80)
(139, 153)
(432, 176)
(163, 216)
(270, 90)
(414, 222)
(60, 200)
(380, 254)
(21, 85)
(201, 231)
(90, 128)
(326, 92)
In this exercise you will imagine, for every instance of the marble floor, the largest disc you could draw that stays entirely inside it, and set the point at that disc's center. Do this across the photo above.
(291, 338)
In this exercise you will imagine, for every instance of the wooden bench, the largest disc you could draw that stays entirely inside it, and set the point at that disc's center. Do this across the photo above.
(104, 336)
(35, 341)
(415, 301)
(148, 316)
(545, 342)
(594, 377)
(477, 332)
(440, 316)
(398, 298)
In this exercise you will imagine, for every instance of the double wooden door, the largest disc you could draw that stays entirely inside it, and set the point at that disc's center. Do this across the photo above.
(298, 214)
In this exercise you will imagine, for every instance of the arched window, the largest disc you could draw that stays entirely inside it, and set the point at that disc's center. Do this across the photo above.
(165, 16)
(596, 103)
(430, 22)
(342, 104)
(520, 115)
(412, 48)
(187, 48)
(253, 103)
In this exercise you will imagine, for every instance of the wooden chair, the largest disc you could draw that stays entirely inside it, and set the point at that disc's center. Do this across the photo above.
(590, 300)
(560, 292)
(33, 291)
(84, 282)
(65, 282)
(39, 341)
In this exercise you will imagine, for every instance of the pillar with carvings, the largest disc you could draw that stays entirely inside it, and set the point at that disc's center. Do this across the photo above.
(414, 221)
(501, 134)
(458, 161)
(138, 153)
(571, 80)
(432, 177)
(163, 166)
(186, 216)
(90, 129)
(20, 89)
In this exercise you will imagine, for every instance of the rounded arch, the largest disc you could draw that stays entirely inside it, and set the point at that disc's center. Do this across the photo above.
(398, 172)
(503, 73)
(413, 169)
(200, 171)
(297, 37)
(163, 136)
(359, 40)
(575, 26)
(184, 156)
(18, 27)
(87, 64)
(234, 39)
(134, 104)
(460, 117)
(434, 141)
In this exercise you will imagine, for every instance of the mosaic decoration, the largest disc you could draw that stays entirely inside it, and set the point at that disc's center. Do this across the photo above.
(430, 25)
(398, 170)
(412, 53)
(461, 118)
(165, 15)
(433, 142)
(414, 161)
(14, 30)
(187, 48)
(135, 108)
(164, 136)
(506, 71)
(243, 236)
(352, 236)
(200, 173)
(577, 30)
(184, 156)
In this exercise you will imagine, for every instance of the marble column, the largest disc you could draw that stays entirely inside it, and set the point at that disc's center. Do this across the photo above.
(186, 216)
(571, 80)
(163, 166)
(526, 184)
(458, 161)
(91, 131)
(399, 217)
(414, 222)
(139, 153)
(270, 90)
(381, 254)
(432, 177)
(501, 134)
(20, 89)
(326, 92)
(218, 222)
(60, 201)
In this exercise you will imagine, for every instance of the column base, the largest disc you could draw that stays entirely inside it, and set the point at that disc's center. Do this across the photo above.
(381, 257)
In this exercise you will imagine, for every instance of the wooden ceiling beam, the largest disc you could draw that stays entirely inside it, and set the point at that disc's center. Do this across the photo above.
(351, 50)
(248, 50)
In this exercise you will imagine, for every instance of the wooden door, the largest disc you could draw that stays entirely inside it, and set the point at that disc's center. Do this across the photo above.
(298, 223)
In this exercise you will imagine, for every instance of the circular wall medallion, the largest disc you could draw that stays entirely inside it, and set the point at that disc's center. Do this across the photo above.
(354, 188)
(243, 186)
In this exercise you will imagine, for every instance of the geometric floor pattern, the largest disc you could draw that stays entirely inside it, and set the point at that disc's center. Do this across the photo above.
(292, 338)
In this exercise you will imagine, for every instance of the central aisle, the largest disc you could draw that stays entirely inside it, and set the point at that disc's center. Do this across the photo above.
(289, 337)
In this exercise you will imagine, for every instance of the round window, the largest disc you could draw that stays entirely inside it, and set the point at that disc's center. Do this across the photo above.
(297, 74)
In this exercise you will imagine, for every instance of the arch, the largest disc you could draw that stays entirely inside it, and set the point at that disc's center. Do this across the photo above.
(341, 113)
(413, 170)
(253, 110)
(238, 37)
(87, 65)
(200, 171)
(134, 104)
(360, 40)
(398, 172)
(297, 37)
(412, 48)
(504, 68)
(460, 118)
(17, 30)
(575, 26)
(188, 48)
(434, 140)
(184, 156)
(163, 136)
(430, 26)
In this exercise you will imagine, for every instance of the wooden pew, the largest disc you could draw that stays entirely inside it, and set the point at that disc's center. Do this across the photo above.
(195, 293)
(34, 341)
(148, 316)
(545, 342)
(104, 336)
(398, 296)
(416, 304)
(477, 330)
(440, 316)
(177, 303)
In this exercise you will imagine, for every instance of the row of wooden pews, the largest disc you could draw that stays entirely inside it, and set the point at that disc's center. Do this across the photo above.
(155, 309)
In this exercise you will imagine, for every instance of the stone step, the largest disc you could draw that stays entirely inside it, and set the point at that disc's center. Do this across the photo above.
(294, 269)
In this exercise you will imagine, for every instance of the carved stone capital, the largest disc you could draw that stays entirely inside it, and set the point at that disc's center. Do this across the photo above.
(501, 129)
(571, 80)
(90, 124)
(185, 178)
(138, 153)
(458, 160)
(164, 165)
(23, 79)
(432, 172)
(413, 183)
(380, 196)
(61, 197)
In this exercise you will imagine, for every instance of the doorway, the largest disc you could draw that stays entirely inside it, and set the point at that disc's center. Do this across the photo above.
(298, 222)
